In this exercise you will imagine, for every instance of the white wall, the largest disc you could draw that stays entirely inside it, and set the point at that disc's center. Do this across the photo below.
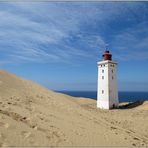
(113, 91)
(108, 85)
(103, 98)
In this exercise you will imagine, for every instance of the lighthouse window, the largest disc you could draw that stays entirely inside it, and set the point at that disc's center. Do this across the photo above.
(102, 70)
(102, 91)
(112, 77)
(102, 77)
(112, 71)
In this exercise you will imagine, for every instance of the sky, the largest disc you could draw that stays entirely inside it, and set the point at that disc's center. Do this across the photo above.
(58, 44)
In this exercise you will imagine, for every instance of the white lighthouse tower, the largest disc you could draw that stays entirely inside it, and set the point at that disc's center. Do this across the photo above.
(107, 94)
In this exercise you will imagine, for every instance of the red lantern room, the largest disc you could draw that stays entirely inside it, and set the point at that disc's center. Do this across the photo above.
(107, 55)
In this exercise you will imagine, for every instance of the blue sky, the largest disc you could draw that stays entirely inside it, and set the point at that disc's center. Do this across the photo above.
(58, 44)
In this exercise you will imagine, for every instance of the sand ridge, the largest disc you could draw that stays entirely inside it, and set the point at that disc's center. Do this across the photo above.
(36, 116)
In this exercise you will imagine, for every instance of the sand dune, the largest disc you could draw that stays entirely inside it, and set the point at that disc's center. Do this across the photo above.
(31, 115)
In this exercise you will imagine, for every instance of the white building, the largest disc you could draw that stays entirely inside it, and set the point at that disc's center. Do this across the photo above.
(107, 94)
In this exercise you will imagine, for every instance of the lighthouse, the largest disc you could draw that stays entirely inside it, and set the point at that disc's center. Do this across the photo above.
(107, 93)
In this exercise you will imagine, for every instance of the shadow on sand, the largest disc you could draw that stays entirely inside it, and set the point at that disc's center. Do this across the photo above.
(131, 105)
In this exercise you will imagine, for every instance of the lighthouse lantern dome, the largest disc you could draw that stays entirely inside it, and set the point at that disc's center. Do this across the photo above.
(107, 55)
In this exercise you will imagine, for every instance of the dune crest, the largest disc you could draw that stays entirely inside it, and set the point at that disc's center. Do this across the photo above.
(36, 116)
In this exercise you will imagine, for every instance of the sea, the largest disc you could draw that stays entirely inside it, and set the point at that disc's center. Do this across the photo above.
(123, 96)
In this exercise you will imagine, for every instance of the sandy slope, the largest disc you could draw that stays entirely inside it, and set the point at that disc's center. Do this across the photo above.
(31, 115)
